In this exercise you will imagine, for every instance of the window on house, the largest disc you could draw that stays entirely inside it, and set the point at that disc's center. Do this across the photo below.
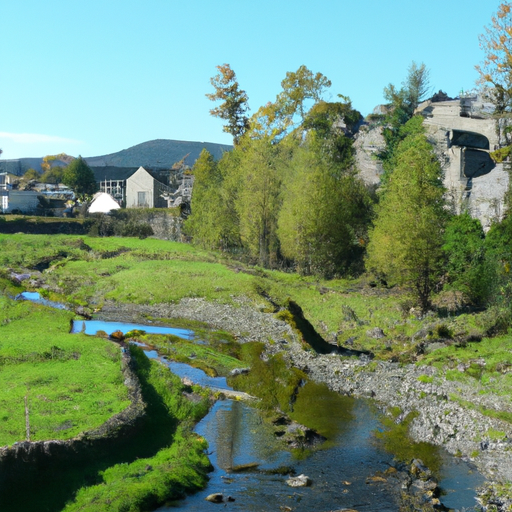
(141, 199)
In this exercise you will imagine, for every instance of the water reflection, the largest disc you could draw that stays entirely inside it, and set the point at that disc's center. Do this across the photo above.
(237, 435)
(38, 299)
(93, 326)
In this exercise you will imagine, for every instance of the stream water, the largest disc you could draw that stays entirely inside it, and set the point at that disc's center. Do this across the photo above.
(237, 435)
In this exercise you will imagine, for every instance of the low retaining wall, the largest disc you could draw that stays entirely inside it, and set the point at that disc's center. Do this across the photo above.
(119, 428)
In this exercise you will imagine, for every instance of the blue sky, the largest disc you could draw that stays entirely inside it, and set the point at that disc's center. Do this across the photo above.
(98, 76)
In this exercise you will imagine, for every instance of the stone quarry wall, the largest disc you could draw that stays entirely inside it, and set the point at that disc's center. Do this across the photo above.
(483, 195)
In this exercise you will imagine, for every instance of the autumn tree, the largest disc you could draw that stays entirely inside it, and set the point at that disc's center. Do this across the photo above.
(300, 91)
(79, 177)
(496, 68)
(234, 102)
(407, 238)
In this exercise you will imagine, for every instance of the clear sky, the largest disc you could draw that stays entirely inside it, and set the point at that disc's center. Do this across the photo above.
(97, 76)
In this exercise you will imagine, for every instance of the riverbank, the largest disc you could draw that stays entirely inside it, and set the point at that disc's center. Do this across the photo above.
(436, 404)
(438, 375)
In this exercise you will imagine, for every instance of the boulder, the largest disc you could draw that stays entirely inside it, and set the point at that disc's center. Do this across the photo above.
(216, 497)
(376, 333)
(239, 371)
(117, 336)
(299, 481)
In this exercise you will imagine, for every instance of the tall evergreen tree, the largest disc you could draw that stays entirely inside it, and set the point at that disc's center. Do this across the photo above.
(203, 223)
(407, 238)
(323, 220)
(326, 207)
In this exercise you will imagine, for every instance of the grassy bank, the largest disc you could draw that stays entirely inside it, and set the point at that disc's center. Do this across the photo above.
(88, 270)
(176, 469)
(52, 383)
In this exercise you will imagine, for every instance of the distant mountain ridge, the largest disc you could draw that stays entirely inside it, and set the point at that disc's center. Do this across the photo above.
(154, 154)
(159, 154)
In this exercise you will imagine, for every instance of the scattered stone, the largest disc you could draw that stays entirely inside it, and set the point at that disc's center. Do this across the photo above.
(83, 312)
(373, 479)
(19, 278)
(420, 335)
(239, 468)
(216, 497)
(187, 381)
(419, 470)
(299, 481)
(376, 333)
(239, 371)
(299, 436)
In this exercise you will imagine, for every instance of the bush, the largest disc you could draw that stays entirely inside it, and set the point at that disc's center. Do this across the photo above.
(464, 249)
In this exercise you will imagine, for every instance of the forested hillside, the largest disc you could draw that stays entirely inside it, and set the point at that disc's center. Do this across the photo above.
(290, 196)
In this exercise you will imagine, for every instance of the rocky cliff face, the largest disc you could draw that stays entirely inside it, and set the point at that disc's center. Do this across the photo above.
(463, 133)
(368, 143)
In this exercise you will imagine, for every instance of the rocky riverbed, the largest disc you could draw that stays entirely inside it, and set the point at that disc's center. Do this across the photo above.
(439, 420)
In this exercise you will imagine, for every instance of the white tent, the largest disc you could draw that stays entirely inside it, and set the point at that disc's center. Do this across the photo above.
(103, 203)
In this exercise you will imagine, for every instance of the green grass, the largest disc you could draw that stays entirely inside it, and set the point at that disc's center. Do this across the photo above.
(174, 470)
(89, 270)
(71, 382)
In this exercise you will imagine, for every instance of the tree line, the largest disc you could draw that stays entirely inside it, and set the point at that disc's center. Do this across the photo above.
(289, 194)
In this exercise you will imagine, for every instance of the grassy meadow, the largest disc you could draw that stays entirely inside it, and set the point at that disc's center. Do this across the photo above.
(72, 382)
(67, 383)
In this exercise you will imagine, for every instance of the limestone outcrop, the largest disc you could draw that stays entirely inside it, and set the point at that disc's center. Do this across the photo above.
(464, 132)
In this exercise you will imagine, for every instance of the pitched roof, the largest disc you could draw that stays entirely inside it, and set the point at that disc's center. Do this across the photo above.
(110, 172)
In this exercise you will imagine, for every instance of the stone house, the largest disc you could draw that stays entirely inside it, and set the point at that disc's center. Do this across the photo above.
(144, 190)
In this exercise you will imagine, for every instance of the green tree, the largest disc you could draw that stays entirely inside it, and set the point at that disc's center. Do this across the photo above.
(259, 199)
(326, 207)
(464, 248)
(204, 223)
(26, 182)
(31, 174)
(496, 68)
(324, 217)
(53, 175)
(300, 91)
(79, 177)
(234, 102)
(498, 244)
(407, 238)
(401, 104)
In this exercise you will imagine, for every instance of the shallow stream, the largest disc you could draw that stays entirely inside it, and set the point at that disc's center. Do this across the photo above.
(237, 435)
